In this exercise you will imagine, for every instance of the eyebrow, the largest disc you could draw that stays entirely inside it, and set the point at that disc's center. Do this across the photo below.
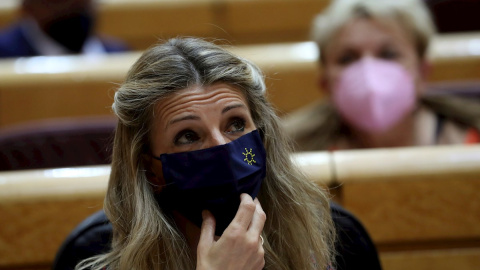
(187, 117)
(231, 107)
(194, 117)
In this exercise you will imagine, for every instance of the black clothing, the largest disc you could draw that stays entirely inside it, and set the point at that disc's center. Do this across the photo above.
(355, 249)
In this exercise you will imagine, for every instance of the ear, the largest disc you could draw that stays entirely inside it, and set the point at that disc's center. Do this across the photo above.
(153, 172)
(424, 71)
(323, 83)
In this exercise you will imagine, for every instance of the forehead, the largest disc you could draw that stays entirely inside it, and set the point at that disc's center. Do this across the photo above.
(370, 32)
(199, 97)
(209, 93)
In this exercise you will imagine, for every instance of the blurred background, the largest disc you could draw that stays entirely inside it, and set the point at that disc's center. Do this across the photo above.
(55, 100)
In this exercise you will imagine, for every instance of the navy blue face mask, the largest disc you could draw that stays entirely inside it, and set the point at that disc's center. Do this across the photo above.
(213, 179)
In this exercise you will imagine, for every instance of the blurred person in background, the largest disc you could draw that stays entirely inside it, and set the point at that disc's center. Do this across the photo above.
(373, 57)
(56, 27)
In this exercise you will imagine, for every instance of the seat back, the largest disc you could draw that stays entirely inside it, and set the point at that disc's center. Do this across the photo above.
(57, 143)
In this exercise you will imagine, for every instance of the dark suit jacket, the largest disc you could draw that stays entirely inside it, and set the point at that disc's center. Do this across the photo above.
(13, 43)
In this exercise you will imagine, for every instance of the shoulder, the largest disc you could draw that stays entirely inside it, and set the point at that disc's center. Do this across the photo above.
(113, 45)
(9, 33)
(472, 137)
(462, 110)
(312, 127)
(13, 42)
(91, 237)
(301, 117)
(458, 119)
(355, 248)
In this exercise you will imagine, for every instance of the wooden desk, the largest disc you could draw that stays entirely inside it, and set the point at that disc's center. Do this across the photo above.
(8, 12)
(142, 22)
(48, 87)
(39, 208)
(268, 21)
(420, 205)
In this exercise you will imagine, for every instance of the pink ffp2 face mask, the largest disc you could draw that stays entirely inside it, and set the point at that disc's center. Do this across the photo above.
(373, 94)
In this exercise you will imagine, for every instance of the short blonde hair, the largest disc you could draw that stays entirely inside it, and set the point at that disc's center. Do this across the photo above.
(412, 15)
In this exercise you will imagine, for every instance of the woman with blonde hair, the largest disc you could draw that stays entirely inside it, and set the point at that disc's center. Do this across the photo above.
(201, 178)
(374, 68)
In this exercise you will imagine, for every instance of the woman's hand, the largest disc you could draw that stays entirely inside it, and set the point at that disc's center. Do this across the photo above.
(240, 246)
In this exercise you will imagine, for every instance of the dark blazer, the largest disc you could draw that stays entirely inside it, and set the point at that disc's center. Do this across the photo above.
(355, 249)
(13, 43)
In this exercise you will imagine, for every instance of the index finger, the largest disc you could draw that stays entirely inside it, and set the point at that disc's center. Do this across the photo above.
(245, 212)
(259, 218)
(207, 232)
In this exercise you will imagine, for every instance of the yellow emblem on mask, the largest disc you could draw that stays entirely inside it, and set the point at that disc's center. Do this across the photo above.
(247, 154)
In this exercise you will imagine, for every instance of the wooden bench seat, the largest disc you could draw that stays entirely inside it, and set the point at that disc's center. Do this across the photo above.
(50, 87)
(420, 205)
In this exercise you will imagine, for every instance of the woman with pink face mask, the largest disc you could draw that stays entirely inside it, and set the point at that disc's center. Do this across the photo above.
(373, 57)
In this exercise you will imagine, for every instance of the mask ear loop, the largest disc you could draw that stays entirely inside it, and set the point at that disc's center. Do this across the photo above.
(147, 170)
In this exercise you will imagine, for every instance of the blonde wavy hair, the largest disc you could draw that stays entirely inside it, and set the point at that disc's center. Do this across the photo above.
(412, 15)
(298, 233)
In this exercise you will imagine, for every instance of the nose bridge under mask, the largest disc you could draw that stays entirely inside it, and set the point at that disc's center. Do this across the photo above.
(368, 72)
(215, 138)
(368, 69)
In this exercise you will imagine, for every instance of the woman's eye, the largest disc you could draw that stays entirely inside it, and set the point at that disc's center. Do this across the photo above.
(186, 137)
(346, 59)
(388, 54)
(237, 125)
(346, 56)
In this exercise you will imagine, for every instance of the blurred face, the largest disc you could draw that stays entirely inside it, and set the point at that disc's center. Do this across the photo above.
(362, 38)
(47, 11)
(198, 118)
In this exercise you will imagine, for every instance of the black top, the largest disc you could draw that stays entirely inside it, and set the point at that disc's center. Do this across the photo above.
(355, 249)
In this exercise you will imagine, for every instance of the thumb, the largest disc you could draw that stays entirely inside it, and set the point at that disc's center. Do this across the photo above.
(207, 233)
